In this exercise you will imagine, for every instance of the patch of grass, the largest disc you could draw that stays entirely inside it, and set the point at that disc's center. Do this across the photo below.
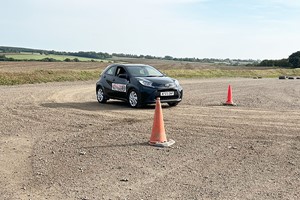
(218, 73)
(43, 76)
(35, 56)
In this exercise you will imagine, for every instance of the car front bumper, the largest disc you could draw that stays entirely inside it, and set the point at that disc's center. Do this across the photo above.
(149, 95)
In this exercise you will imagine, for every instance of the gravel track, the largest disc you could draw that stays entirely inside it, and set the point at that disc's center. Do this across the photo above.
(57, 142)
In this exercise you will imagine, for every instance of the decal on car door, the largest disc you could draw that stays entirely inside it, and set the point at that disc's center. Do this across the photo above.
(119, 87)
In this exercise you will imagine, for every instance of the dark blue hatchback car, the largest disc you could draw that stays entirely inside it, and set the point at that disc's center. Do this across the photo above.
(137, 84)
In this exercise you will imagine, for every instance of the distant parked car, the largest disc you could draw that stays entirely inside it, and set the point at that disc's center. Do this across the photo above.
(138, 85)
(282, 77)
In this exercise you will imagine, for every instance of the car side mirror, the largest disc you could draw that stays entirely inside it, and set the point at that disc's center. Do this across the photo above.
(123, 76)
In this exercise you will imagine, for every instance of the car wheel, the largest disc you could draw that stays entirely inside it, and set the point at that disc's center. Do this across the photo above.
(173, 104)
(101, 96)
(134, 99)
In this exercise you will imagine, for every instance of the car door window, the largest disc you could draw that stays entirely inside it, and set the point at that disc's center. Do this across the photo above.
(111, 71)
(120, 70)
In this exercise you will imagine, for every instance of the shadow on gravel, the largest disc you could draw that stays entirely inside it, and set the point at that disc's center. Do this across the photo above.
(94, 106)
(221, 105)
(118, 145)
(89, 106)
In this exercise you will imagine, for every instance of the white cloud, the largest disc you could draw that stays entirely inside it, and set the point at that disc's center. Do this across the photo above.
(158, 1)
(288, 3)
(152, 27)
(172, 1)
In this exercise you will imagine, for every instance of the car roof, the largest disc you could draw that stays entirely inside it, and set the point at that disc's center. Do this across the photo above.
(128, 65)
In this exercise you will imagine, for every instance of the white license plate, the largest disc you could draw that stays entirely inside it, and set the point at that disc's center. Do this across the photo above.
(163, 94)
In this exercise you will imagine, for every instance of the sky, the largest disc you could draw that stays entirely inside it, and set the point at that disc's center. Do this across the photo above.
(235, 29)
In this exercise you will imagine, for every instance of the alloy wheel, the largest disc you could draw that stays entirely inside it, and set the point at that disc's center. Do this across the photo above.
(133, 98)
(100, 95)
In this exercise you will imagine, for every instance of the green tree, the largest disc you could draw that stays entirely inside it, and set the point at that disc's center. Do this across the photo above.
(168, 58)
(294, 59)
(3, 58)
(282, 63)
(267, 63)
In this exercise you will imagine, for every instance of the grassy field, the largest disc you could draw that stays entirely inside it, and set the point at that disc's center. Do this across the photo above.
(13, 73)
(43, 76)
(218, 73)
(36, 56)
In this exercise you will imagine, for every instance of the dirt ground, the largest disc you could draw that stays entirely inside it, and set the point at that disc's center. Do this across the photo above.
(57, 142)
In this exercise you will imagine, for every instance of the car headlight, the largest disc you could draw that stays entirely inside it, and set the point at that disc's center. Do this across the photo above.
(146, 83)
(176, 82)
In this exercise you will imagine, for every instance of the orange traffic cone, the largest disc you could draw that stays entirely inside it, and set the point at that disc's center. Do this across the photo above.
(229, 101)
(158, 136)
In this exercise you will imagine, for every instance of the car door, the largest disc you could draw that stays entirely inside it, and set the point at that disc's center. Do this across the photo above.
(109, 78)
(120, 83)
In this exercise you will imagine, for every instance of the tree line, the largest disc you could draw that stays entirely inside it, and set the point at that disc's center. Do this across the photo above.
(204, 60)
(89, 54)
(293, 61)
(4, 58)
(101, 55)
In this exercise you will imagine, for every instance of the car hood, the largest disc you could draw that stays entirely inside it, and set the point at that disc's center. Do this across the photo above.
(160, 81)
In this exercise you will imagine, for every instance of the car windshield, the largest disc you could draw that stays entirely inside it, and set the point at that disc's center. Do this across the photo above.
(144, 71)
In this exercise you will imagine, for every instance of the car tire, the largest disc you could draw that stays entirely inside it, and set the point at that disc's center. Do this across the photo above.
(134, 99)
(173, 104)
(101, 96)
